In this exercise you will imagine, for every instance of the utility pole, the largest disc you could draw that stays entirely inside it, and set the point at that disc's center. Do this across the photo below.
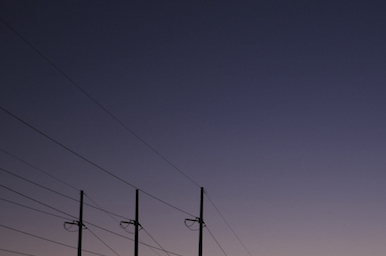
(80, 224)
(201, 222)
(125, 224)
(136, 224)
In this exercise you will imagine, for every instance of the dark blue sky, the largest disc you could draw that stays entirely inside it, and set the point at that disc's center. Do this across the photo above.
(276, 108)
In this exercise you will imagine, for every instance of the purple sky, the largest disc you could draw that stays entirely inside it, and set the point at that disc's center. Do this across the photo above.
(277, 109)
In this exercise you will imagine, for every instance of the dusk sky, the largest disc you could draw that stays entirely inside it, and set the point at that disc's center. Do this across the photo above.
(276, 108)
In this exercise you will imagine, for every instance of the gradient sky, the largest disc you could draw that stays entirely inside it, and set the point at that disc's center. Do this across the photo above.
(276, 108)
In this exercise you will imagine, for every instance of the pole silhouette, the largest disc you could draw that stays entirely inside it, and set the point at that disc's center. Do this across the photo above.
(136, 224)
(201, 221)
(80, 224)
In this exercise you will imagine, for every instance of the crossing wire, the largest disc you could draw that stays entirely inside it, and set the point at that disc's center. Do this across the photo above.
(129, 232)
(229, 226)
(97, 103)
(68, 197)
(103, 210)
(121, 123)
(96, 226)
(155, 241)
(150, 246)
(90, 162)
(37, 184)
(34, 209)
(38, 169)
(20, 253)
(103, 242)
(216, 240)
(37, 201)
(48, 240)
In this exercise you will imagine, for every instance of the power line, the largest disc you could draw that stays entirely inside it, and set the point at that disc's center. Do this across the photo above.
(34, 209)
(150, 246)
(216, 240)
(36, 184)
(48, 240)
(103, 242)
(89, 161)
(129, 232)
(98, 207)
(97, 103)
(57, 217)
(172, 206)
(48, 213)
(96, 226)
(89, 223)
(37, 201)
(155, 241)
(121, 123)
(20, 253)
(38, 169)
(226, 222)
(68, 197)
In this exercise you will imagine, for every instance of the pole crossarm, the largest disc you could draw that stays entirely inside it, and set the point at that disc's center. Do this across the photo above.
(70, 224)
(126, 224)
(200, 221)
(196, 220)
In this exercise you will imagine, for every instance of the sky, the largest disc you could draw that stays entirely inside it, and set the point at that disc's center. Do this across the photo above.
(276, 108)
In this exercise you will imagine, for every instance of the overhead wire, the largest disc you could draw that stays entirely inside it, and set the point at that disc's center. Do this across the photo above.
(61, 194)
(113, 213)
(37, 201)
(15, 252)
(131, 239)
(91, 224)
(129, 232)
(58, 216)
(97, 103)
(48, 240)
(34, 209)
(37, 184)
(121, 123)
(229, 226)
(103, 242)
(38, 169)
(216, 240)
(155, 241)
(89, 161)
(103, 210)
(110, 114)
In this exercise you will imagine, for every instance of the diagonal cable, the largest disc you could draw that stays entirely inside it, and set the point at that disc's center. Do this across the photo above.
(15, 252)
(48, 240)
(103, 242)
(58, 193)
(89, 224)
(97, 103)
(38, 169)
(36, 184)
(156, 241)
(37, 201)
(34, 209)
(216, 240)
(89, 161)
(226, 222)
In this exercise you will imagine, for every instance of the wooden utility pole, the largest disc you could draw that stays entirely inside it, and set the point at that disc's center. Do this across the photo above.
(136, 224)
(80, 224)
(201, 221)
(125, 224)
